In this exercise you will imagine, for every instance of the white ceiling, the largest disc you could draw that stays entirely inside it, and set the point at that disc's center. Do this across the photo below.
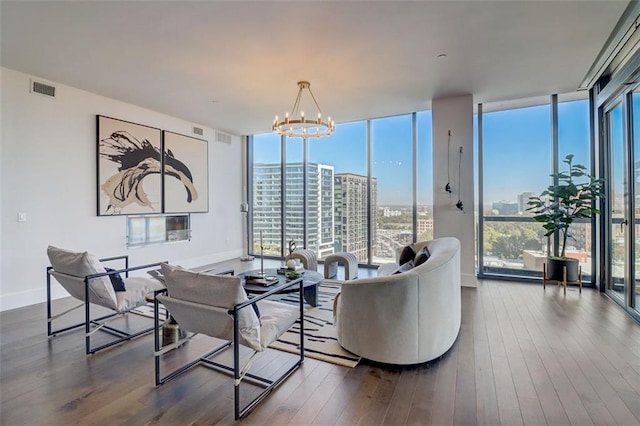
(363, 59)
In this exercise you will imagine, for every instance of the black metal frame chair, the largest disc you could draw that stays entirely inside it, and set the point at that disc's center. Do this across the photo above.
(99, 323)
(238, 373)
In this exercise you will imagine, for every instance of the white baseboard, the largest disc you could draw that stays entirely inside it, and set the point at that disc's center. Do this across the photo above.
(30, 297)
(208, 259)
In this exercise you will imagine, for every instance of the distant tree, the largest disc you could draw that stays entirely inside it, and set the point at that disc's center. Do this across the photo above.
(507, 240)
(402, 218)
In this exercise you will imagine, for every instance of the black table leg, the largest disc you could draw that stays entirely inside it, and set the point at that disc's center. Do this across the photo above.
(310, 295)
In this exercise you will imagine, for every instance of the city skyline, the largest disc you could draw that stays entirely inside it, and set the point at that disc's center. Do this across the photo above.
(516, 165)
(517, 151)
(331, 217)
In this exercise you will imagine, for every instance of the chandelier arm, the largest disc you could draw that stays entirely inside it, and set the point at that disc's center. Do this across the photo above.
(314, 101)
(296, 104)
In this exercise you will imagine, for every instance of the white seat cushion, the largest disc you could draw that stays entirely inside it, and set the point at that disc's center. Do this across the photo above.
(137, 289)
(276, 318)
(81, 264)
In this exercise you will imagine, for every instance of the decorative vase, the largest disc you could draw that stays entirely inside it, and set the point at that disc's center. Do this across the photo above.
(171, 332)
(555, 267)
(291, 264)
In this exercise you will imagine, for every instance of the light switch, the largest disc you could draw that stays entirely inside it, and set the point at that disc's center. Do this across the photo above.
(22, 217)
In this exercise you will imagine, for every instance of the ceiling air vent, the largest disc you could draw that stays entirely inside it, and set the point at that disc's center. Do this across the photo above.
(223, 137)
(43, 89)
(198, 131)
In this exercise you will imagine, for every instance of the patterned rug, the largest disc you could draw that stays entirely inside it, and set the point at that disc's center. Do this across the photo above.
(147, 311)
(320, 342)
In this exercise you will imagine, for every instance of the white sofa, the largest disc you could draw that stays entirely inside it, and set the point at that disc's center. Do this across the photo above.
(407, 318)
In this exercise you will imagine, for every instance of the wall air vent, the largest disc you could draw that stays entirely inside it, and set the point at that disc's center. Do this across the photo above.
(43, 89)
(223, 137)
(198, 131)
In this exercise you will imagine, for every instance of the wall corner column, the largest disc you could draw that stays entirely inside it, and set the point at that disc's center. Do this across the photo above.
(455, 114)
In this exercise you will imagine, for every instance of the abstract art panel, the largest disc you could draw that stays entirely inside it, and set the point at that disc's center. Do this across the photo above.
(129, 168)
(186, 176)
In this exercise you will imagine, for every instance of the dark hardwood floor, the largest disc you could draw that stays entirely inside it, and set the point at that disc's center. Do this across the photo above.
(523, 356)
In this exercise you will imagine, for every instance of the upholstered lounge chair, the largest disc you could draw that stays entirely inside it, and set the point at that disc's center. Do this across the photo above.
(83, 277)
(309, 258)
(404, 317)
(217, 306)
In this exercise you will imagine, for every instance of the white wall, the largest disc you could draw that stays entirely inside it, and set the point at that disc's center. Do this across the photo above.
(48, 171)
(1, 168)
(455, 114)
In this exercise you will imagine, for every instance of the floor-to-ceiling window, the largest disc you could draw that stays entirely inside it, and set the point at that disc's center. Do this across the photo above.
(635, 174)
(295, 199)
(520, 149)
(266, 190)
(574, 138)
(342, 157)
(392, 171)
(516, 165)
(424, 188)
(365, 189)
(620, 141)
(615, 96)
(617, 199)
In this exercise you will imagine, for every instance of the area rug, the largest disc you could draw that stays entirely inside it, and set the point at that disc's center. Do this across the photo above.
(147, 311)
(320, 338)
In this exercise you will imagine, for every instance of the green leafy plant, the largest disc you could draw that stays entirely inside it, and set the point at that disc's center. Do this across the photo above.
(292, 275)
(567, 200)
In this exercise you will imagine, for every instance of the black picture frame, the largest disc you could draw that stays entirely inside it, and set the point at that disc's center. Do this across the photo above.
(185, 178)
(129, 167)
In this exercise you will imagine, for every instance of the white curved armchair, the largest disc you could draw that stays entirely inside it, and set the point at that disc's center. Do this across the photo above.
(407, 318)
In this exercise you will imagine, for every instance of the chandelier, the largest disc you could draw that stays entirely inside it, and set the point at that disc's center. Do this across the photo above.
(297, 125)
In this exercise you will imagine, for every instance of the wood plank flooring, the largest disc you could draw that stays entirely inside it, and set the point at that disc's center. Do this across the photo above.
(523, 356)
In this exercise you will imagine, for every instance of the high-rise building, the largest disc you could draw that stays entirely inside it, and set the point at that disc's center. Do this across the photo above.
(425, 226)
(505, 207)
(351, 221)
(267, 207)
(523, 199)
(580, 237)
(324, 244)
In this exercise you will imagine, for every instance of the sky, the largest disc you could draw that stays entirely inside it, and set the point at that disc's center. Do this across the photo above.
(517, 151)
(517, 147)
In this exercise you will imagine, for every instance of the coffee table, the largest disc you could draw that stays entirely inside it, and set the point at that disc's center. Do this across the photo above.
(310, 281)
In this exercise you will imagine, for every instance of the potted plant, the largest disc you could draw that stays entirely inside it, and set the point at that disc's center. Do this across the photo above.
(570, 197)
